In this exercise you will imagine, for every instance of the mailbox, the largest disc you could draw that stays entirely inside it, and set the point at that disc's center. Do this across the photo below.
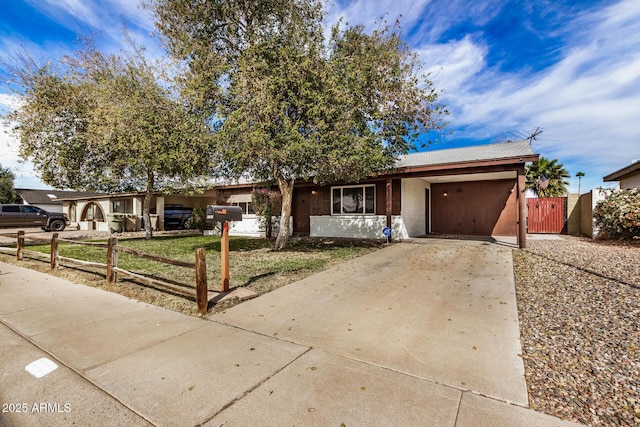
(224, 213)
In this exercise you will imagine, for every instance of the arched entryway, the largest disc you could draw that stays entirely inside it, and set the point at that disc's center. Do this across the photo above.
(92, 212)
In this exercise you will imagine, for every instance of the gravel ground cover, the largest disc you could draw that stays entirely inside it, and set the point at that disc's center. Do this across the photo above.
(579, 309)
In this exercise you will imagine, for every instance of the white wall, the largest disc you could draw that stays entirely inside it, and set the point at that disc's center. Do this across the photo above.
(629, 183)
(50, 207)
(413, 206)
(597, 194)
(251, 225)
(356, 226)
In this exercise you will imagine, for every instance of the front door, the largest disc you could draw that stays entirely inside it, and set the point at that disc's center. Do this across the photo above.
(301, 211)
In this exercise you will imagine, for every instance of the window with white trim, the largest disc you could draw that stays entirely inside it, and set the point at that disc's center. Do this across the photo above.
(353, 200)
(247, 207)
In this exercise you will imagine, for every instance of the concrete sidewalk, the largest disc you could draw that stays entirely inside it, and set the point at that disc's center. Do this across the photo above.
(121, 362)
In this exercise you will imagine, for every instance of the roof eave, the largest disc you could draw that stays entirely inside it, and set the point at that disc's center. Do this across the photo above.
(621, 174)
(517, 160)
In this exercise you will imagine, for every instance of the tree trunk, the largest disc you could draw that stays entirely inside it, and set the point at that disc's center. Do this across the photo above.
(146, 206)
(286, 189)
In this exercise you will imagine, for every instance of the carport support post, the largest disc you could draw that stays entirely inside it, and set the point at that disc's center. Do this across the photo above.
(20, 247)
(522, 209)
(54, 251)
(224, 256)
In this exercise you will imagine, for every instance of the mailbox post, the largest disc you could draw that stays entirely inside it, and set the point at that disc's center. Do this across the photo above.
(223, 214)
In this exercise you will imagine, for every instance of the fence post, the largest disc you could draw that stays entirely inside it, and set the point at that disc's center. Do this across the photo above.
(112, 259)
(20, 248)
(54, 251)
(202, 298)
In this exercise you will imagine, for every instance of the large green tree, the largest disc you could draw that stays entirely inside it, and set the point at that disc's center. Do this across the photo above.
(107, 123)
(286, 103)
(7, 191)
(546, 178)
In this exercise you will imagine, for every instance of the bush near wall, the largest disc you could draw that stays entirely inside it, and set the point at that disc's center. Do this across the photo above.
(266, 204)
(618, 215)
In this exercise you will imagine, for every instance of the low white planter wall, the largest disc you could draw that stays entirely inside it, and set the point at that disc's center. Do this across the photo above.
(357, 226)
(251, 225)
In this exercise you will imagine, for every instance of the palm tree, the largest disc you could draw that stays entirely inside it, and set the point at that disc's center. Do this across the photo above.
(546, 178)
(579, 175)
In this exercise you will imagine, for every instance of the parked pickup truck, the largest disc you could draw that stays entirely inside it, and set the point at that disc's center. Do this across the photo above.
(31, 216)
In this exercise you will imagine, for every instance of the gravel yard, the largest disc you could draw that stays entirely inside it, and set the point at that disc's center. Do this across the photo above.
(579, 309)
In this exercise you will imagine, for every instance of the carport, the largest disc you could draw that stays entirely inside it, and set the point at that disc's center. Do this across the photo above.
(466, 191)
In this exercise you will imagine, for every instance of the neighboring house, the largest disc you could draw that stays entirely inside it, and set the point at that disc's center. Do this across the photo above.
(93, 212)
(49, 200)
(628, 176)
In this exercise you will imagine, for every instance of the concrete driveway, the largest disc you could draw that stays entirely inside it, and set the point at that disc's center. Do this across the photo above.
(439, 310)
(415, 334)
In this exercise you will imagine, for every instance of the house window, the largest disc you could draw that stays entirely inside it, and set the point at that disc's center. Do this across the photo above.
(353, 200)
(247, 207)
(116, 207)
(72, 212)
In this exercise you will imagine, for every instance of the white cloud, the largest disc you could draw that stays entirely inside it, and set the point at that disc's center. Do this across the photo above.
(102, 19)
(588, 103)
(454, 64)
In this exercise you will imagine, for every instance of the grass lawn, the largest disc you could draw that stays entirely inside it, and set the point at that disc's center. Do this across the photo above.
(253, 263)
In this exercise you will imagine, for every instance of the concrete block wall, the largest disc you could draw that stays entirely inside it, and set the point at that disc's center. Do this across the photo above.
(573, 214)
(587, 204)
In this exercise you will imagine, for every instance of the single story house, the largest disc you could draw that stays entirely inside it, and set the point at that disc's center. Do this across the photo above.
(477, 190)
(49, 200)
(628, 176)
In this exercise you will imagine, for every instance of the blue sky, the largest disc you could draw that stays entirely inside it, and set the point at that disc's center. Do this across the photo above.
(506, 68)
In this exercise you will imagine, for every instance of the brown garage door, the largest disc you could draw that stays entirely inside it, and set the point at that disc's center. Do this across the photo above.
(482, 208)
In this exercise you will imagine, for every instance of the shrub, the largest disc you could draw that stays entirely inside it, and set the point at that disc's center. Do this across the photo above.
(266, 204)
(618, 214)
(198, 220)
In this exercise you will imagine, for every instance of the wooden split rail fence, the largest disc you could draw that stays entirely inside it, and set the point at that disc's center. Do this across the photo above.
(112, 269)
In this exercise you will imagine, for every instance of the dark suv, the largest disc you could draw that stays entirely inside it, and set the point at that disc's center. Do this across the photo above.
(31, 216)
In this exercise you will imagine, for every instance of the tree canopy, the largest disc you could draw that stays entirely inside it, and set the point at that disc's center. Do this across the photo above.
(546, 178)
(107, 123)
(286, 102)
(7, 191)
